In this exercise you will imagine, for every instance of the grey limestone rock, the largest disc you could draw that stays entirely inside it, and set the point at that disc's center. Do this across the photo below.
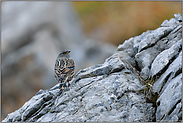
(168, 102)
(165, 57)
(173, 70)
(112, 91)
(178, 17)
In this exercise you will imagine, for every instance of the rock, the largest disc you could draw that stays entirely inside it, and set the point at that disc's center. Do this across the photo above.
(173, 70)
(115, 91)
(153, 36)
(164, 58)
(173, 21)
(178, 17)
(168, 102)
(31, 41)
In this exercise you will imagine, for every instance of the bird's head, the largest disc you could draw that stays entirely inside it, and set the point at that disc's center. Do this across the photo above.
(64, 53)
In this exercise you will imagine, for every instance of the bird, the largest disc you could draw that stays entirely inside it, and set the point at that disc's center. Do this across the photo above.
(64, 68)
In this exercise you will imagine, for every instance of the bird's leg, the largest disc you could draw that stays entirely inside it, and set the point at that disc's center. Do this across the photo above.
(69, 79)
(68, 83)
(62, 86)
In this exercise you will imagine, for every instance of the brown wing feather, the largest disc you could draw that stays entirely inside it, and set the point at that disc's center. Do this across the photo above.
(70, 63)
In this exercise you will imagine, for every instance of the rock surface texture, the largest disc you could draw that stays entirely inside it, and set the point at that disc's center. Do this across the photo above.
(118, 89)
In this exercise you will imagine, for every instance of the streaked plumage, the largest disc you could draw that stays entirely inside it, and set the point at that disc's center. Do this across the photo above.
(64, 67)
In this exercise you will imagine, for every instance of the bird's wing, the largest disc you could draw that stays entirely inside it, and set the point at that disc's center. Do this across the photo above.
(63, 68)
(70, 65)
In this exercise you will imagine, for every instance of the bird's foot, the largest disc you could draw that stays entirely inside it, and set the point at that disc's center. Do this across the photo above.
(62, 86)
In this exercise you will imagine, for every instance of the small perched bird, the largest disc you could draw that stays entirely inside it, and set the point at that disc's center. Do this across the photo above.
(64, 68)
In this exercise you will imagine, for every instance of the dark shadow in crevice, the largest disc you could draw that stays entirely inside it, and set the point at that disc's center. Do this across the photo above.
(171, 110)
(165, 81)
(137, 66)
(166, 33)
(178, 72)
(162, 71)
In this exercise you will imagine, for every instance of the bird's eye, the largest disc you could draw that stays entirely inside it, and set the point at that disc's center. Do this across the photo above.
(66, 52)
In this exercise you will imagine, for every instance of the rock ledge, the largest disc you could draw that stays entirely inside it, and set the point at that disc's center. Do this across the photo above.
(113, 92)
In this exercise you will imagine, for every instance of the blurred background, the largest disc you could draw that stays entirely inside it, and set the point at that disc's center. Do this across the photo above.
(33, 34)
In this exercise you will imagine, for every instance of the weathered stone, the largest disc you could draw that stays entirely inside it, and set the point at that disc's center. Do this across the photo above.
(154, 36)
(173, 21)
(164, 58)
(169, 99)
(112, 91)
(173, 70)
(178, 17)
